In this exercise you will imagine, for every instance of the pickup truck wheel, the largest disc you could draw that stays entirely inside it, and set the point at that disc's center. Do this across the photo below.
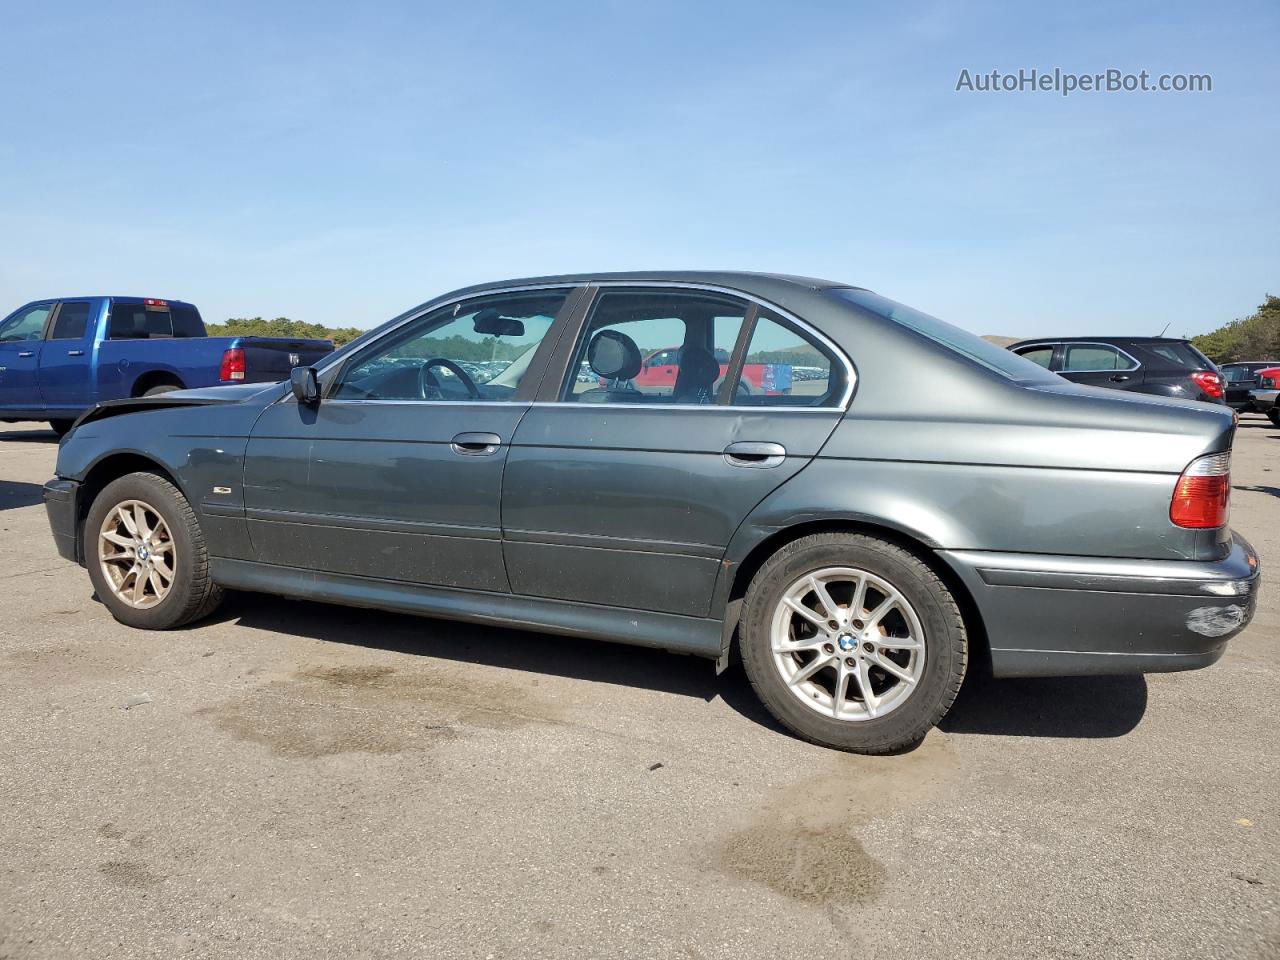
(60, 427)
(852, 642)
(146, 554)
(160, 388)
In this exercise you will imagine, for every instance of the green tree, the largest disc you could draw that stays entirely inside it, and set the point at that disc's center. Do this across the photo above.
(282, 327)
(1255, 337)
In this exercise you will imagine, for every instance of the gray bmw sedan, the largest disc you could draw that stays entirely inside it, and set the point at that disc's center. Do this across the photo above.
(861, 499)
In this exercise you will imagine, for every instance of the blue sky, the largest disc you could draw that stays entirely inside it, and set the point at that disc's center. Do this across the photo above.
(338, 162)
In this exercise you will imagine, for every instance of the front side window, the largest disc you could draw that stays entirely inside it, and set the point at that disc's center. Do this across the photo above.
(785, 368)
(655, 347)
(73, 320)
(26, 324)
(1082, 358)
(1040, 355)
(476, 350)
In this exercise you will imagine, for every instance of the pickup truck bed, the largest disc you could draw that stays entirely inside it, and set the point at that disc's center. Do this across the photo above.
(60, 357)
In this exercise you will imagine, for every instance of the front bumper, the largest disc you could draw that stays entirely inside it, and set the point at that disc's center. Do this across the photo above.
(62, 504)
(1065, 616)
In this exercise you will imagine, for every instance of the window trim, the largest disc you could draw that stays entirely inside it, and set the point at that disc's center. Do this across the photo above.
(555, 377)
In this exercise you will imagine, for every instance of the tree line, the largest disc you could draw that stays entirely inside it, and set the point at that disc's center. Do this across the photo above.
(1255, 337)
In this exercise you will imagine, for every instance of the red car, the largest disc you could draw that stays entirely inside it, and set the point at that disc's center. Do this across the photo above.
(661, 367)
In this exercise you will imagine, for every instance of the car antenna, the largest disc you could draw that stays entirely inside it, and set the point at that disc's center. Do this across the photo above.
(1162, 332)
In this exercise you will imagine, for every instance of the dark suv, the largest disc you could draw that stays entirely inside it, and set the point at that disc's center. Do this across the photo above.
(1241, 378)
(1162, 366)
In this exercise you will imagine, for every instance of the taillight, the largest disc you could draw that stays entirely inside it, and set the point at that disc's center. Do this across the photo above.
(232, 364)
(1210, 382)
(1202, 498)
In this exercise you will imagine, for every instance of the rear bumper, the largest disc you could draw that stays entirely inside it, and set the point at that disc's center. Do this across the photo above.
(1064, 616)
(62, 504)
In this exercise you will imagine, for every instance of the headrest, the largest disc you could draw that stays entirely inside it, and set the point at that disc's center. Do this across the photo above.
(698, 366)
(614, 355)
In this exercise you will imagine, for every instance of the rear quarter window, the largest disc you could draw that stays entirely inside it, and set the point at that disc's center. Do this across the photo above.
(1182, 355)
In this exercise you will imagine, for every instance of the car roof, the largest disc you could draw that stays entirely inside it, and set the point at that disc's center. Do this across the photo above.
(749, 281)
(1114, 341)
(111, 296)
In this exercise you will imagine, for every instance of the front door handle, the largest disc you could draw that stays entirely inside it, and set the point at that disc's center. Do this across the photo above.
(1120, 378)
(750, 453)
(75, 353)
(476, 444)
(27, 353)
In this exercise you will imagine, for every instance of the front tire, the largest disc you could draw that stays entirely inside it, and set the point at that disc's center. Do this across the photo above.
(1274, 415)
(61, 427)
(146, 554)
(852, 642)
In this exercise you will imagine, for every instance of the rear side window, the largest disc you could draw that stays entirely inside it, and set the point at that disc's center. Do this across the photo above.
(73, 320)
(1082, 358)
(138, 321)
(785, 368)
(1040, 355)
(655, 347)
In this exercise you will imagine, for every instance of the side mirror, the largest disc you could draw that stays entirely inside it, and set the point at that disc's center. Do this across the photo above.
(305, 385)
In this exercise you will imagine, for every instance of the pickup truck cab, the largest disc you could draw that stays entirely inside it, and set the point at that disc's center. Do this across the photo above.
(60, 357)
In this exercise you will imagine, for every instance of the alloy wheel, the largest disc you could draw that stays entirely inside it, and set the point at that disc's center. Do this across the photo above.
(136, 554)
(847, 643)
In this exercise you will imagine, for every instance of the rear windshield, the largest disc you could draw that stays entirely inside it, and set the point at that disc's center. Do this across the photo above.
(953, 338)
(1180, 355)
(135, 320)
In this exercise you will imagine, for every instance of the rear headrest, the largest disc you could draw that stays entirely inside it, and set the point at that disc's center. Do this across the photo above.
(614, 355)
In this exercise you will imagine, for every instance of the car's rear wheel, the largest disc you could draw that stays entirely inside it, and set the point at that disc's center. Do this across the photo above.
(1274, 415)
(60, 427)
(146, 554)
(853, 642)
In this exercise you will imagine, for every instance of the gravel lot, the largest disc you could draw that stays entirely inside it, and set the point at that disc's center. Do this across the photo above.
(299, 780)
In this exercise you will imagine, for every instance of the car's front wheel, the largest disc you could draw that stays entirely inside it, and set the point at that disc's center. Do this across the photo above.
(853, 642)
(1274, 415)
(146, 554)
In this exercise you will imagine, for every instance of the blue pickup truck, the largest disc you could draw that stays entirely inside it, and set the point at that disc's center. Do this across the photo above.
(60, 357)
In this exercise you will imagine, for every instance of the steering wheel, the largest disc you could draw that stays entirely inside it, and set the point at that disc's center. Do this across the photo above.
(429, 386)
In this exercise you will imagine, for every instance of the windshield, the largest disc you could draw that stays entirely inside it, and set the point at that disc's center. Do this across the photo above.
(953, 338)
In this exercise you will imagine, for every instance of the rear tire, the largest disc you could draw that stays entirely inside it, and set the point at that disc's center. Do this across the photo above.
(921, 639)
(1274, 415)
(160, 388)
(153, 582)
(60, 427)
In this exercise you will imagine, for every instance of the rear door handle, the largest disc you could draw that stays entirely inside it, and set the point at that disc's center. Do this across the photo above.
(750, 453)
(476, 444)
(27, 353)
(1120, 378)
(75, 353)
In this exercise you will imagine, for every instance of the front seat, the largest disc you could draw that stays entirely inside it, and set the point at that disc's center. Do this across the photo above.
(615, 358)
(696, 379)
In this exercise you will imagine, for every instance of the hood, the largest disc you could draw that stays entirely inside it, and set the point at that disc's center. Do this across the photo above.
(202, 396)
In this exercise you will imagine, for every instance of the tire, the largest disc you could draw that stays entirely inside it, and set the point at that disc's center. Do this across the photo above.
(190, 594)
(902, 713)
(1274, 415)
(160, 388)
(60, 427)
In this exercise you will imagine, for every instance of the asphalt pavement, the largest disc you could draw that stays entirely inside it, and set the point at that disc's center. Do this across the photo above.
(296, 780)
